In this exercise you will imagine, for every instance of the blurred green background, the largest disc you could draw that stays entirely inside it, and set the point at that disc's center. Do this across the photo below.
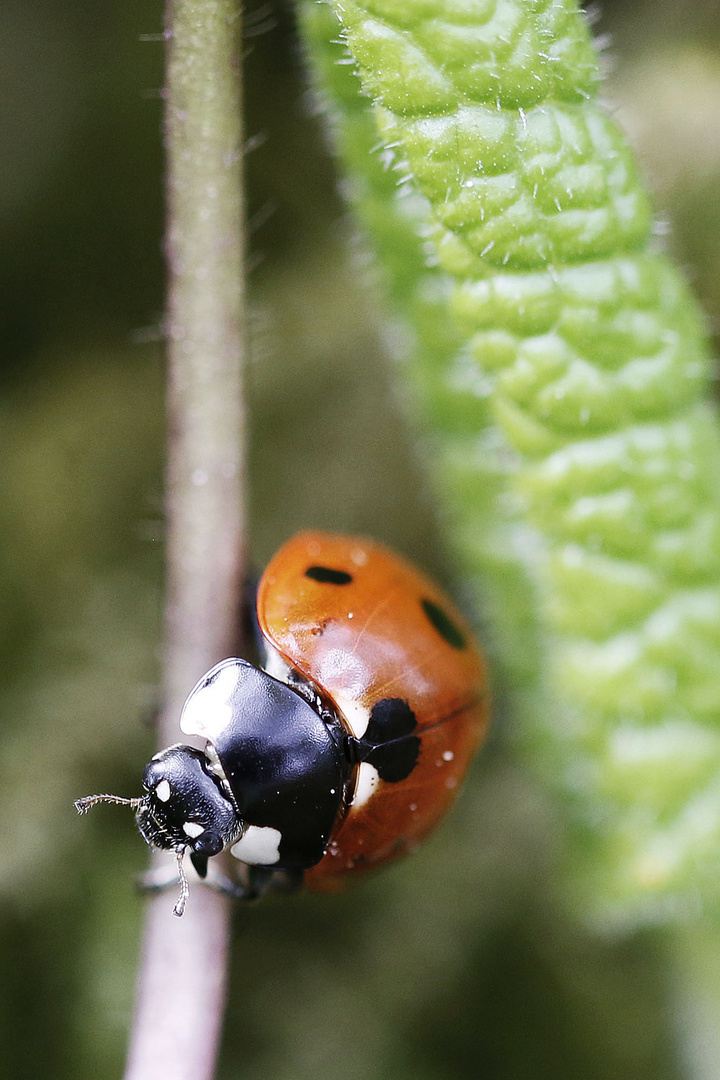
(460, 963)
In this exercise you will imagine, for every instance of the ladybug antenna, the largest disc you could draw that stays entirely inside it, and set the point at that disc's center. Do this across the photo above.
(83, 805)
(184, 887)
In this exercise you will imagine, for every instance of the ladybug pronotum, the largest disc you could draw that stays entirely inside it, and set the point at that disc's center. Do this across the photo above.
(345, 748)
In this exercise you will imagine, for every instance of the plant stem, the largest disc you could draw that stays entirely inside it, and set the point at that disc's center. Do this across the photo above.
(181, 983)
(695, 949)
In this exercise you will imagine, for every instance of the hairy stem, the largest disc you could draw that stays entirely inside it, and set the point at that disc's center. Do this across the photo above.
(181, 983)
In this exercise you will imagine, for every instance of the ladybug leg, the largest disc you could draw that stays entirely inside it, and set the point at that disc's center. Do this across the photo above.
(159, 879)
(224, 885)
(162, 879)
(259, 880)
(263, 879)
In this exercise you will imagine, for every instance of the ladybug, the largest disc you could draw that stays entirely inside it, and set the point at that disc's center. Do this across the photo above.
(345, 747)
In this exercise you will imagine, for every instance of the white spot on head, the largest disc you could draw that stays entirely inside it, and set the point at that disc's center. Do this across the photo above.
(258, 846)
(367, 783)
(207, 711)
(163, 791)
(192, 829)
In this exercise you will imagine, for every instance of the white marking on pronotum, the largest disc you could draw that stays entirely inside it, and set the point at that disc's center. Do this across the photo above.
(192, 829)
(344, 671)
(275, 664)
(357, 716)
(259, 846)
(367, 783)
(163, 791)
(208, 710)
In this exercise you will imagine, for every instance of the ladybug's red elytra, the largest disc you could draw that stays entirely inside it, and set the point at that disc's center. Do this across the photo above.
(346, 747)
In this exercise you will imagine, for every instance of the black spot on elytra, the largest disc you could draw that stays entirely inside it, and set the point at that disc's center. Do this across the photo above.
(391, 718)
(444, 625)
(327, 576)
(388, 744)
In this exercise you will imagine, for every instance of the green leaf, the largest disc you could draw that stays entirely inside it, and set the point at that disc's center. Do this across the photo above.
(567, 402)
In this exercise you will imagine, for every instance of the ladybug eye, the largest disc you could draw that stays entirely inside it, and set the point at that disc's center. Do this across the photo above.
(327, 576)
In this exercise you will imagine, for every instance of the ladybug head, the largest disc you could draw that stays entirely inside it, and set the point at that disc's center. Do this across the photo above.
(185, 806)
